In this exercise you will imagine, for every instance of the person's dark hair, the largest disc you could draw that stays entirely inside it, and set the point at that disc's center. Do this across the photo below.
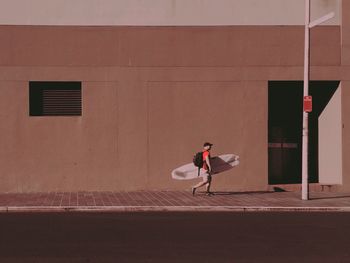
(207, 144)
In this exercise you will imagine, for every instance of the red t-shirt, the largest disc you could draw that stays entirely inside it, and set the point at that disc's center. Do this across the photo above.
(205, 155)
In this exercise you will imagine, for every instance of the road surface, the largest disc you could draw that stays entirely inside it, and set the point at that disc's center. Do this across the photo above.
(175, 237)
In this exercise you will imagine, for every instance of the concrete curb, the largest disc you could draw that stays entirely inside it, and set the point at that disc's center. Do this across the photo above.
(62, 209)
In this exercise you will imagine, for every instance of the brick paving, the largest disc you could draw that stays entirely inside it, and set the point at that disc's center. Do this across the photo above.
(173, 199)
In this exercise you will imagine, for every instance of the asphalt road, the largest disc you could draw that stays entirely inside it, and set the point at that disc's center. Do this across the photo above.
(175, 237)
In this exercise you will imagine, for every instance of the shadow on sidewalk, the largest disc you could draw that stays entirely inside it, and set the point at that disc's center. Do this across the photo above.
(275, 190)
(329, 197)
(243, 193)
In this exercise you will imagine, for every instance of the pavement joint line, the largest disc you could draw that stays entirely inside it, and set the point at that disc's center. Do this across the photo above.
(12, 209)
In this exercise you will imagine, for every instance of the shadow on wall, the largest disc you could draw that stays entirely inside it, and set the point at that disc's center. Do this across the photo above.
(220, 165)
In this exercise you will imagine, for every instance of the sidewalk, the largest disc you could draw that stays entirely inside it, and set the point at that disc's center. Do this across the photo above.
(172, 201)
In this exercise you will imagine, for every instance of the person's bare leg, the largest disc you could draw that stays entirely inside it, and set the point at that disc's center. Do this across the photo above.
(198, 185)
(208, 187)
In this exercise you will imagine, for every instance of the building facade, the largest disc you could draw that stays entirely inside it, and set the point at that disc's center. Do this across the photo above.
(153, 81)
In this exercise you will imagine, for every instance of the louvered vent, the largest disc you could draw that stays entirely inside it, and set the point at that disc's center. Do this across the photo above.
(55, 98)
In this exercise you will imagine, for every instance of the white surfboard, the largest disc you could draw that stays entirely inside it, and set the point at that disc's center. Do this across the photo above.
(219, 164)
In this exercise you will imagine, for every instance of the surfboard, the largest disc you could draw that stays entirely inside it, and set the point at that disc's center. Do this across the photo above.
(219, 164)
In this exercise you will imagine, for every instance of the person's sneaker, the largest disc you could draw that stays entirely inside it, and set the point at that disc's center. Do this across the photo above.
(209, 193)
(193, 190)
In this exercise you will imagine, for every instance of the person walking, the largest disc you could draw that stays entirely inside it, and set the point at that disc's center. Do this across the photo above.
(206, 166)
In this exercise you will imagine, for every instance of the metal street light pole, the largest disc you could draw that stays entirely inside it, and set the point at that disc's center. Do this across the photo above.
(305, 145)
(305, 151)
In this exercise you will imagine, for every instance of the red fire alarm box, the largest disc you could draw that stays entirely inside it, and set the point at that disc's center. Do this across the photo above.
(308, 103)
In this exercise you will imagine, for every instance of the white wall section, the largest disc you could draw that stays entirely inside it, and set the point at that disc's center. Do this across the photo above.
(330, 142)
(163, 12)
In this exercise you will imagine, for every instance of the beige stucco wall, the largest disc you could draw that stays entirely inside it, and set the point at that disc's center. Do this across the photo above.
(55, 153)
(135, 77)
(234, 46)
(140, 93)
(182, 115)
(131, 138)
(163, 12)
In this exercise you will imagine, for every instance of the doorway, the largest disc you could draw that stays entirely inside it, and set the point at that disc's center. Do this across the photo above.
(285, 116)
